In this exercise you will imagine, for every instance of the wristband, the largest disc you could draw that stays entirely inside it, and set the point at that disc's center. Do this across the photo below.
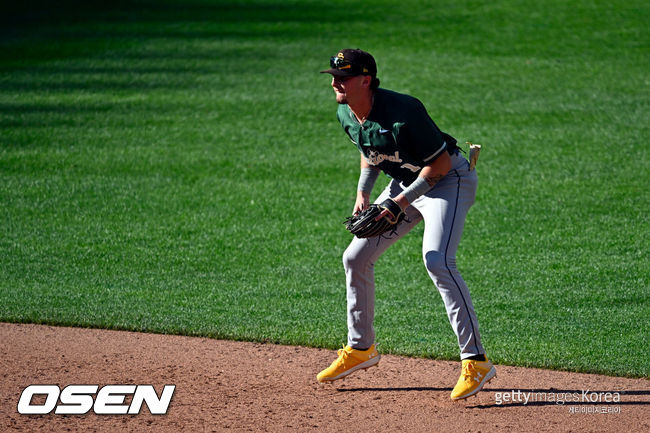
(419, 187)
(367, 179)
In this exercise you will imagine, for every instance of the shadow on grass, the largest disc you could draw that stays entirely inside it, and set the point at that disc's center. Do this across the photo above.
(41, 29)
(74, 46)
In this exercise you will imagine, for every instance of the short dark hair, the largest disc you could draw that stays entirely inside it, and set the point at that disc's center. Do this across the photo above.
(374, 83)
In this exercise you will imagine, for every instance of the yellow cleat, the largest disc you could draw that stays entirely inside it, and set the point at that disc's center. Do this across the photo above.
(473, 376)
(349, 361)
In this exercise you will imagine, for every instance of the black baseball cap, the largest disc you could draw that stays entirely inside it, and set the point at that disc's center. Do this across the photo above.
(351, 62)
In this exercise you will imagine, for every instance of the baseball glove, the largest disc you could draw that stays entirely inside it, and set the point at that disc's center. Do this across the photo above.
(365, 224)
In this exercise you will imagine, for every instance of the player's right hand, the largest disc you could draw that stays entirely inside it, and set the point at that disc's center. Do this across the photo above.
(362, 202)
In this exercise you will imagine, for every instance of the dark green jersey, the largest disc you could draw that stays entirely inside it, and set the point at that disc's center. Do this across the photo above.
(398, 136)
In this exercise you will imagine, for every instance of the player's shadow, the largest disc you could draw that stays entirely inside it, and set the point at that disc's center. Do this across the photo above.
(394, 389)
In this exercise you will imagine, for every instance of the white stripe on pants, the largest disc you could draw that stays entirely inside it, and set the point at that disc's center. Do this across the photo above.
(443, 209)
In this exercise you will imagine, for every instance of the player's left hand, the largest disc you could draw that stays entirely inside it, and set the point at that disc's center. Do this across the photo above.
(362, 202)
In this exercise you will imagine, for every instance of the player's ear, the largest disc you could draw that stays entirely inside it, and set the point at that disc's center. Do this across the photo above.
(367, 80)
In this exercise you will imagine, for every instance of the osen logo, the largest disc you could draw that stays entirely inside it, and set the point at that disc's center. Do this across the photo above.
(79, 399)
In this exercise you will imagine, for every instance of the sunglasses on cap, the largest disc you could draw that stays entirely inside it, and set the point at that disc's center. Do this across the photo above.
(347, 66)
(339, 63)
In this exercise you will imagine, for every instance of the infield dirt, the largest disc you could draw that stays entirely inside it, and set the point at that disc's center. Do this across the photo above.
(248, 387)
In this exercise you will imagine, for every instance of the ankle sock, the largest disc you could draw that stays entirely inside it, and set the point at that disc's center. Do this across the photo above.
(477, 358)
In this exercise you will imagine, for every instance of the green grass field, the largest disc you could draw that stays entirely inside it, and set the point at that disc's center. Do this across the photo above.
(177, 167)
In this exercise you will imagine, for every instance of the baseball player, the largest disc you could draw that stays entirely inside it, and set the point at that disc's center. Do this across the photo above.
(431, 181)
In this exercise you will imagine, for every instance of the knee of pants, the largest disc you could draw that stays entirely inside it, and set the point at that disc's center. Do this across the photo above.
(354, 258)
(435, 262)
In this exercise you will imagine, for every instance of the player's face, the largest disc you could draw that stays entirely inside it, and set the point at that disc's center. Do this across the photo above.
(346, 88)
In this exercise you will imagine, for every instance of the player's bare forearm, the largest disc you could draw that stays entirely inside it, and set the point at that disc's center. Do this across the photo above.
(432, 174)
(438, 169)
(364, 162)
(433, 178)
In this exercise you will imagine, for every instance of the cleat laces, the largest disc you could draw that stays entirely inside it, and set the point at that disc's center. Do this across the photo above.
(468, 372)
(343, 356)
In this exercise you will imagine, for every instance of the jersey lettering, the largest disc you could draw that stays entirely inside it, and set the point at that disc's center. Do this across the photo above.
(413, 168)
(376, 158)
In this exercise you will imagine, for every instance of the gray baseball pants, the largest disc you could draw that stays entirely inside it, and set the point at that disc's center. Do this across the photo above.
(443, 210)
